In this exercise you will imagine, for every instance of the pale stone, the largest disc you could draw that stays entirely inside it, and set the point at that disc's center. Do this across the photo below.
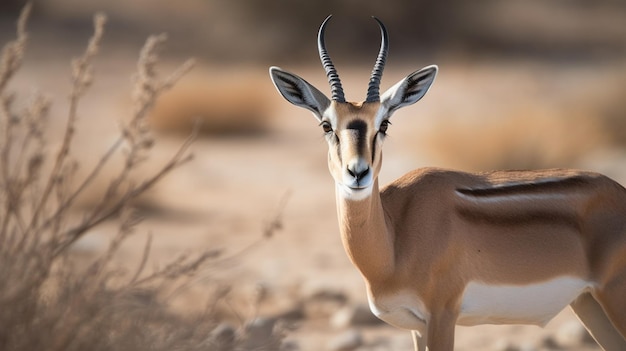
(347, 341)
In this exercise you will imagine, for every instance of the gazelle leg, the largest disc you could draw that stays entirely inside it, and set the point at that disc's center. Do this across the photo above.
(440, 335)
(612, 298)
(596, 321)
(419, 342)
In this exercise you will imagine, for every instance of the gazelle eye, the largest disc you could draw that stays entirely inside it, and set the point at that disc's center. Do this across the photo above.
(326, 127)
(383, 126)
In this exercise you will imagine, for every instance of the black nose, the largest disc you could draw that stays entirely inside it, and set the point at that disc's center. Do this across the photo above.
(359, 174)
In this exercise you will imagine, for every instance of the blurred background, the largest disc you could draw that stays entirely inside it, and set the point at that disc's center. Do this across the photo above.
(557, 65)
(251, 31)
(522, 84)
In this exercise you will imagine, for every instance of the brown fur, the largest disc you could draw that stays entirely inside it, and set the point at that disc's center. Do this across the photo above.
(433, 231)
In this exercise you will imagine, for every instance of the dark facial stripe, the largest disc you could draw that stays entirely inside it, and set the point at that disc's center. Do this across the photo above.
(337, 143)
(360, 129)
(374, 147)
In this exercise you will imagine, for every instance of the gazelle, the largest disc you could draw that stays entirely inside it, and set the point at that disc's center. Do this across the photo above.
(438, 248)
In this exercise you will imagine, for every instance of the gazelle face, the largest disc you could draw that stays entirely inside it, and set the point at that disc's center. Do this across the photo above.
(354, 131)
(355, 134)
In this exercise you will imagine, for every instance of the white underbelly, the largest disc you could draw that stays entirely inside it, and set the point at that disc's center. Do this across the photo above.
(518, 304)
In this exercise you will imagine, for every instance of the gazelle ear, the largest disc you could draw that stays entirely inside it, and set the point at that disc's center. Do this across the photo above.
(299, 92)
(409, 90)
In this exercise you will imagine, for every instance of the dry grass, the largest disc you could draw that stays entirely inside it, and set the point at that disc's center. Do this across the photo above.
(531, 139)
(610, 109)
(222, 103)
(558, 119)
(48, 300)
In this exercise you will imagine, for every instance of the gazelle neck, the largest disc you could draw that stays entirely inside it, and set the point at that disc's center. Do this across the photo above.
(367, 239)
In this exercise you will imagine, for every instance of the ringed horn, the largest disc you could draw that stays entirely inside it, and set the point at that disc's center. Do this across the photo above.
(373, 89)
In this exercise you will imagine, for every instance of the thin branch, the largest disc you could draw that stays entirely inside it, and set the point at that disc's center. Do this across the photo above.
(81, 79)
(276, 223)
(13, 52)
(11, 60)
(35, 117)
(7, 181)
(86, 182)
(144, 260)
(75, 233)
(181, 266)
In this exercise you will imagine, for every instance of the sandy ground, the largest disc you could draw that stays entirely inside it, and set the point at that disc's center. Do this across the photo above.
(235, 186)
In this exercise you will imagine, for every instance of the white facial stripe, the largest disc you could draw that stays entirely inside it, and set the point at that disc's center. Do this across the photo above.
(380, 115)
(518, 304)
(331, 115)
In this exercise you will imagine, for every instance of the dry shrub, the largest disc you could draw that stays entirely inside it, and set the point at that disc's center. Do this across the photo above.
(531, 138)
(223, 103)
(153, 198)
(49, 300)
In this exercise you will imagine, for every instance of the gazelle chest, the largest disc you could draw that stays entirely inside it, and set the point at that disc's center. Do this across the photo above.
(402, 310)
(534, 304)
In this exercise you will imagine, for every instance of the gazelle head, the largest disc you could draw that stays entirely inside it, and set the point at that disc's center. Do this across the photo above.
(354, 130)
